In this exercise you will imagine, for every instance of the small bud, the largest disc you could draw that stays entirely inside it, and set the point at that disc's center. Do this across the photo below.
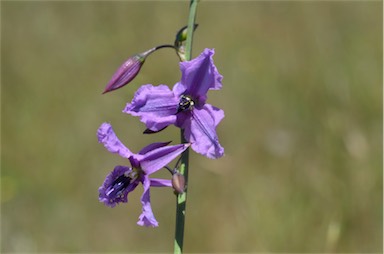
(178, 183)
(181, 35)
(179, 44)
(127, 71)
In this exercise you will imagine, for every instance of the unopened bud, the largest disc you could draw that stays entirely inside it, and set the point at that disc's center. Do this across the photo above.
(179, 44)
(178, 183)
(181, 35)
(127, 71)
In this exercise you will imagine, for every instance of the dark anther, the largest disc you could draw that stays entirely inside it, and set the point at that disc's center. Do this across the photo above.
(118, 186)
(185, 103)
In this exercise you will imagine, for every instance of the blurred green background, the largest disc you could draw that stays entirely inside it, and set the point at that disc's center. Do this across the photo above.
(303, 128)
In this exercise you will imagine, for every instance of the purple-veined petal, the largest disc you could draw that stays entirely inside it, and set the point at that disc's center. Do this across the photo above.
(218, 77)
(200, 130)
(218, 114)
(199, 75)
(116, 186)
(107, 136)
(155, 182)
(179, 89)
(153, 146)
(182, 118)
(160, 157)
(147, 218)
(155, 105)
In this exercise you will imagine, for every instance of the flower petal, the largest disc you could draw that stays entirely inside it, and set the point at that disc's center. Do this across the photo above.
(155, 105)
(147, 218)
(200, 130)
(155, 182)
(179, 89)
(153, 146)
(107, 136)
(160, 157)
(112, 192)
(199, 75)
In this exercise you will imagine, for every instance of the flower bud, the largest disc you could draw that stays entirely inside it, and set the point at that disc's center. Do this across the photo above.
(181, 35)
(178, 183)
(127, 71)
(179, 44)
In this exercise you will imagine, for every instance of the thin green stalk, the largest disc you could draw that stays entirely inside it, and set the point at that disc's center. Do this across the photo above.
(190, 29)
(181, 199)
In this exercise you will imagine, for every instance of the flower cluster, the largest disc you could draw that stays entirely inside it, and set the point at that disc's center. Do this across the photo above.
(185, 106)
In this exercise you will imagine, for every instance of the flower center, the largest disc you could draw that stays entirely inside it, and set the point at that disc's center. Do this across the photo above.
(117, 187)
(185, 103)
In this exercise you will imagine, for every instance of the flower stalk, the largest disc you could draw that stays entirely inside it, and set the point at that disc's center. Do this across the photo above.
(181, 198)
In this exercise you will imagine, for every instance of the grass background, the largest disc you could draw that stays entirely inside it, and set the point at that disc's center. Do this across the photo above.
(303, 128)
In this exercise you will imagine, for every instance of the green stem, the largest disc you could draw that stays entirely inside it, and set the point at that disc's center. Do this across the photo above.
(181, 199)
(190, 29)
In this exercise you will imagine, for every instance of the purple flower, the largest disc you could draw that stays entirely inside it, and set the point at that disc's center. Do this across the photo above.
(123, 179)
(185, 106)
